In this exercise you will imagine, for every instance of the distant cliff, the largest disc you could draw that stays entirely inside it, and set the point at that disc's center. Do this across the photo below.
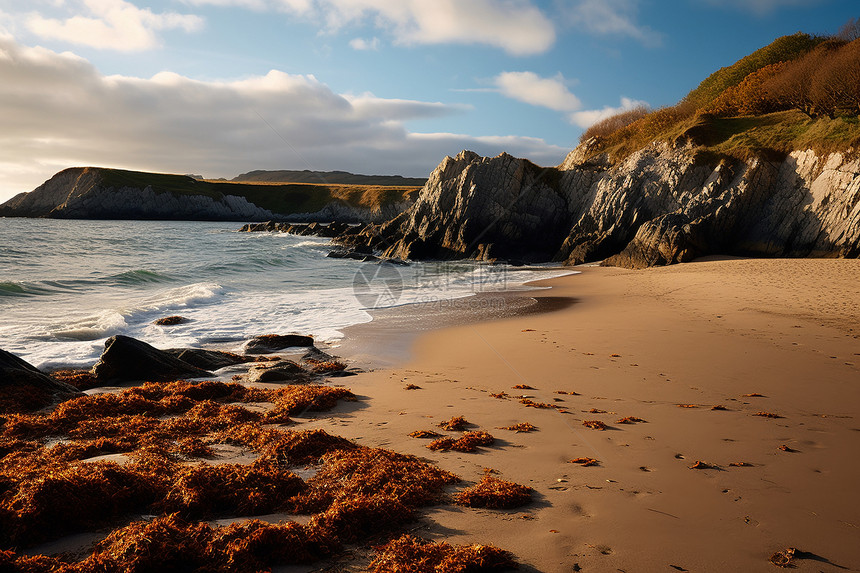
(97, 193)
(328, 178)
(661, 205)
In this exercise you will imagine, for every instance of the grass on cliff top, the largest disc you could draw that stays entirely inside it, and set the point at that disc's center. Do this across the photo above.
(770, 136)
(284, 198)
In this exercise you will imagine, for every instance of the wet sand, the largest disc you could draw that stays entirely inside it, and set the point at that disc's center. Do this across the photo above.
(641, 343)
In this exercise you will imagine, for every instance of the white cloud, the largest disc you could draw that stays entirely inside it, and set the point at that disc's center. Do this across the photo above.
(59, 111)
(587, 118)
(516, 26)
(112, 25)
(364, 45)
(611, 17)
(762, 7)
(528, 87)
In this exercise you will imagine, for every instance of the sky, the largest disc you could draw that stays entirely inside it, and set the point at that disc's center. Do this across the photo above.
(221, 87)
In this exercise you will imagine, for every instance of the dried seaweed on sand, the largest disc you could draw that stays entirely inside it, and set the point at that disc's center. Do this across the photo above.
(584, 462)
(494, 493)
(468, 442)
(521, 427)
(522, 387)
(767, 415)
(347, 474)
(529, 403)
(629, 420)
(324, 366)
(783, 558)
(424, 434)
(594, 424)
(455, 424)
(408, 554)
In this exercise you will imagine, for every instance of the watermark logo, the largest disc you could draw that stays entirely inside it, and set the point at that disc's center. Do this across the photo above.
(378, 285)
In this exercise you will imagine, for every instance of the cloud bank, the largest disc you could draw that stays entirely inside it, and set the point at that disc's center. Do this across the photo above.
(61, 112)
(516, 26)
(112, 25)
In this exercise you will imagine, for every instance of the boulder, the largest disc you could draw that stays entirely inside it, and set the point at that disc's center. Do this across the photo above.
(170, 321)
(268, 343)
(23, 387)
(126, 359)
(281, 371)
(207, 359)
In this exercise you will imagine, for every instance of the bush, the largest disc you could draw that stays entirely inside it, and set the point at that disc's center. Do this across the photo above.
(782, 49)
(606, 127)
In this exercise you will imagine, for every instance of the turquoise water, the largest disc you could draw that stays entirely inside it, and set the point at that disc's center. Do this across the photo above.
(65, 286)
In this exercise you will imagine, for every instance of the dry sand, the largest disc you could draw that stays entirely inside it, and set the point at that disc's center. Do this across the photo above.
(638, 343)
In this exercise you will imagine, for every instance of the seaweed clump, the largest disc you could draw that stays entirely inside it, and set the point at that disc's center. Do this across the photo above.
(409, 554)
(455, 424)
(494, 493)
(521, 427)
(468, 442)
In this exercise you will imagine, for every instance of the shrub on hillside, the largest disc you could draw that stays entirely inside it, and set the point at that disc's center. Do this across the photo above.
(782, 49)
(606, 127)
(749, 96)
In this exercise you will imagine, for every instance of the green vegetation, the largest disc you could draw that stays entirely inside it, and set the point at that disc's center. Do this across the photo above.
(283, 198)
(800, 92)
(782, 49)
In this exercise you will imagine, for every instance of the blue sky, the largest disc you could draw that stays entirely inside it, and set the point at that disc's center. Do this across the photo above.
(218, 87)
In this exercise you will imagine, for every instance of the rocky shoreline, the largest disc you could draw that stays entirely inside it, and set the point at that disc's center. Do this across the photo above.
(160, 458)
(662, 205)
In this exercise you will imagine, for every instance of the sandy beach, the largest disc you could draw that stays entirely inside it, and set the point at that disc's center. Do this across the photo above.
(721, 400)
(665, 345)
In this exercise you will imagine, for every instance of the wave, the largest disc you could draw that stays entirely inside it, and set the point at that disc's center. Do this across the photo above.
(28, 289)
(102, 325)
(138, 277)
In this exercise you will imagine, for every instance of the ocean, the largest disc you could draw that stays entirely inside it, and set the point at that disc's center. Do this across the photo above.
(67, 285)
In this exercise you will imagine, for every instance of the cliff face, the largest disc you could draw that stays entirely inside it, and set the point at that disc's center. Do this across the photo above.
(94, 193)
(80, 193)
(660, 206)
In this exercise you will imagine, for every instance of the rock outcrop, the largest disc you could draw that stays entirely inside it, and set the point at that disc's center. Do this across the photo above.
(23, 387)
(126, 359)
(269, 343)
(661, 205)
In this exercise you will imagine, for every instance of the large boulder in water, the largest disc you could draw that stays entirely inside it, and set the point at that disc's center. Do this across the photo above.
(23, 387)
(268, 343)
(126, 359)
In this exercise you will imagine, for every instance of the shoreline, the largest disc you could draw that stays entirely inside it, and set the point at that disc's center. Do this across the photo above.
(641, 343)
(728, 389)
(386, 340)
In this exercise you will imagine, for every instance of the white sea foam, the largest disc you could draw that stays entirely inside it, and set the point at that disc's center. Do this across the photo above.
(220, 280)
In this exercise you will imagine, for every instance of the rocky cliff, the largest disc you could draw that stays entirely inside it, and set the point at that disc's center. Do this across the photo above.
(661, 205)
(83, 193)
(95, 193)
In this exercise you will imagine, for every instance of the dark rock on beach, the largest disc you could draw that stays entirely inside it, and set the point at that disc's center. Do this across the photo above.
(268, 343)
(23, 387)
(207, 359)
(126, 359)
(281, 371)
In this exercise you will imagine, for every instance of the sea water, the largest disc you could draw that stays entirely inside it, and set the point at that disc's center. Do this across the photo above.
(67, 285)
